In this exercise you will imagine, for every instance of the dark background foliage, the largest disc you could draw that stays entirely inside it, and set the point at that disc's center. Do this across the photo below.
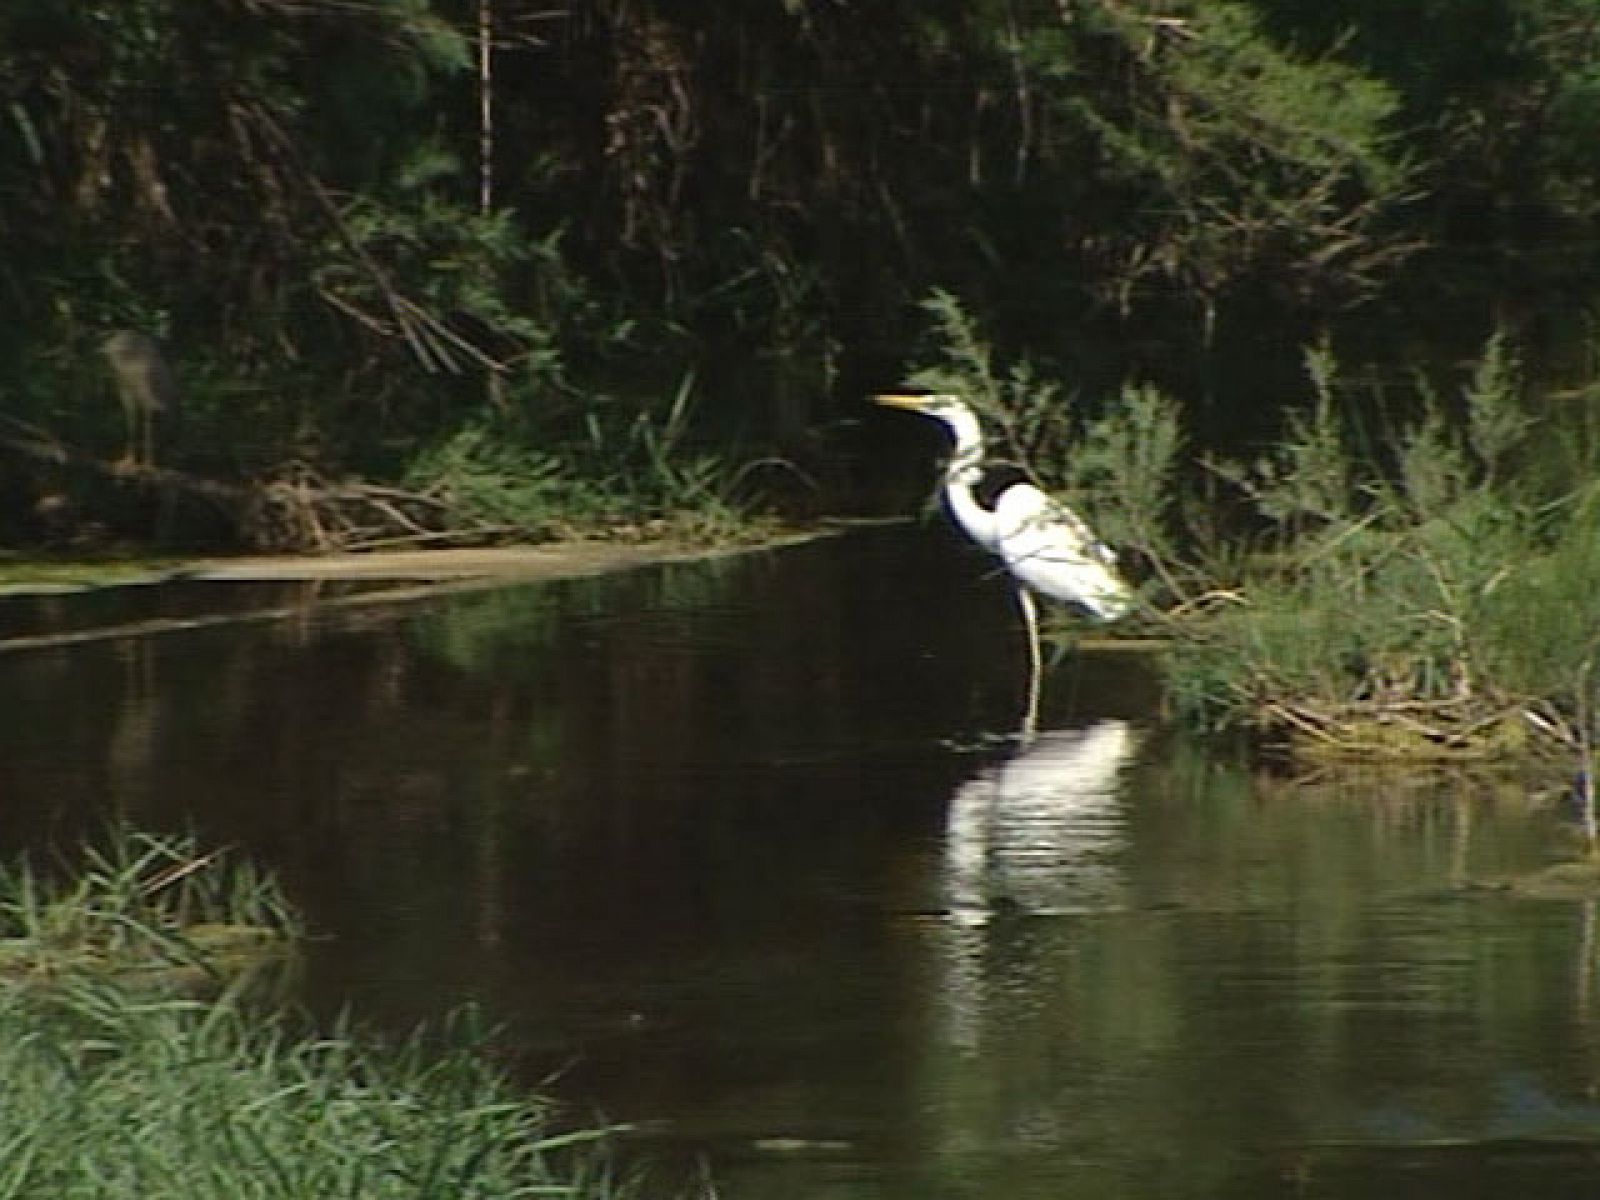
(348, 266)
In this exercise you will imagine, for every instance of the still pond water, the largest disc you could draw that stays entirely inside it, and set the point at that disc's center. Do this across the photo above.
(741, 853)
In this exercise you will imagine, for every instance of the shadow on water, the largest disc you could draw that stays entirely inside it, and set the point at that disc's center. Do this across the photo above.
(734, 849)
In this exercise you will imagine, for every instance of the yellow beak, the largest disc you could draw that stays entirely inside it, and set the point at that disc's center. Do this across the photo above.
(896, 400)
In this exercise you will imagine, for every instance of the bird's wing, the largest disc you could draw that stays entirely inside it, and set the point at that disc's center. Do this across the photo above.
(1034, 524)
(1051, 549)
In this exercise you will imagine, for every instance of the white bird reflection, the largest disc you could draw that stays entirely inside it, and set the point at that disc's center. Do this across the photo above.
(1038, 834)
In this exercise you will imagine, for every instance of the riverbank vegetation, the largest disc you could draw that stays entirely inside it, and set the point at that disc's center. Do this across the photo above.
(121, 1081)
(1419, 588)
(1403, 578)
(468, 270)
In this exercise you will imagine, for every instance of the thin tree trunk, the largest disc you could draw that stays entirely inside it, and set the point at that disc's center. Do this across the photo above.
(496, 381)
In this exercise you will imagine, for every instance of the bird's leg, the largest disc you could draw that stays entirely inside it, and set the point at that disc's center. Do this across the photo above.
(130, 450)
(1030, 618)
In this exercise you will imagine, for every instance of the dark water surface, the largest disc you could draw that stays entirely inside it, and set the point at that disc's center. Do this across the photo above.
(741, 851)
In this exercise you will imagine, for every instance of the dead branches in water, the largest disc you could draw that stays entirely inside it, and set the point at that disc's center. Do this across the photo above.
(1415, 731)
(79, 499)
(300, 510)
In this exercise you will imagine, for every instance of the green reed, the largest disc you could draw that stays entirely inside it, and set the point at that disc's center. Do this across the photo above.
(109, 1095)
(118, 1083)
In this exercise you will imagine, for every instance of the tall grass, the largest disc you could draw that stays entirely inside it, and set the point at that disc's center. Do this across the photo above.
(112, 1087)
(109, 1096)
(607, 472)
(140, 905)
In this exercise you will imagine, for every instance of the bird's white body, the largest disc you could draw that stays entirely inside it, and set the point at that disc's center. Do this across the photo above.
(1046, 547)
(1049, 549)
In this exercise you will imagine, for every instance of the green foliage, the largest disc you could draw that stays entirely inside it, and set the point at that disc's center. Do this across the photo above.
(1541, 616)
(1495, 429)
(1307, 476)
(612, 473)
(741, 191)
(450, 261)
(305, 239)
(122, 1092)
(1129, 458)
(139, 880)
(118, 1096)
(1497, 100)
(1028, 412)
(1234, 157)
(136, 908)
(490, 481)
(1319, 114)
(1432, 588)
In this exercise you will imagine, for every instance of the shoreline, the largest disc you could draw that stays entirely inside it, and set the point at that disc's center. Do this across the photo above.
(414, 575)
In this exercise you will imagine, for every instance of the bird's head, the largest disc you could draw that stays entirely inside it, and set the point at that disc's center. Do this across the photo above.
(939, 405)
(952, 411)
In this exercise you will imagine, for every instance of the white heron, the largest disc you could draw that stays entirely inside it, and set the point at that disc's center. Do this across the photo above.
(1046, 547)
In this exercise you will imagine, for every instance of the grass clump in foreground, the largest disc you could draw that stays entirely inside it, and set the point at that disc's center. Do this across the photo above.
(107, 1095)
(115, 1087)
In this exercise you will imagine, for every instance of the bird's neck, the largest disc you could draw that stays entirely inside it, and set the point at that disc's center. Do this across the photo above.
(965, 467)
(962, 474)
(960, 494)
